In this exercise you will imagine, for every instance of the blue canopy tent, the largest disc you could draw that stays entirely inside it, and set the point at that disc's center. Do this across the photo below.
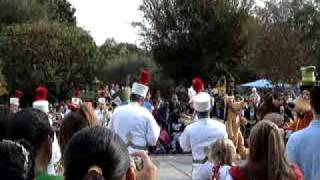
(261, 83)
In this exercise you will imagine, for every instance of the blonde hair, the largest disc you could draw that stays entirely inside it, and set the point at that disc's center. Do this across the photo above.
(88, 112)
(222, 152)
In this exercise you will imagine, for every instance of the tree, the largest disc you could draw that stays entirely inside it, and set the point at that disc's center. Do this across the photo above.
(60, 11)
(280, 53)
(19, 11)
(287, 39)
(122, 60)
(189, 38)
(53, 54)
(112, 49)
(305, 18)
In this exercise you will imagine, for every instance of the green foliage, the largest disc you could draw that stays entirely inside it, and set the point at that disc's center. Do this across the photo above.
(189, 38)
(121, 60)
(19, 11)
(120, 67)
(54, 54)
(288, 39)
(60, 11)
(279, 53)
(111, 49)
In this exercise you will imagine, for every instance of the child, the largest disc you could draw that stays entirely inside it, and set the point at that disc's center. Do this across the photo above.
(222, 154)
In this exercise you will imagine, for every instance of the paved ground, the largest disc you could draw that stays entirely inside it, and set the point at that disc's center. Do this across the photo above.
(174, 167)
(177, 167)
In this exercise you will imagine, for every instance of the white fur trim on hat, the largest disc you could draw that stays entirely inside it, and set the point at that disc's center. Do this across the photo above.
(102, 100)
(140, 89)
(76, 101)
(14, 101)
(202, 102)
(42, 105)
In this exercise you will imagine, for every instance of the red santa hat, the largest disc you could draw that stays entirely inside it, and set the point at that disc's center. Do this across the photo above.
(41, 102)
(142, 88)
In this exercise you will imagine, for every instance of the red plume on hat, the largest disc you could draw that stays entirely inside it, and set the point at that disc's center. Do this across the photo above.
(73, 107)
(145, 77)
(77, 93)
(197, 84)
(42, 93)
(18, 94)
(103, 94)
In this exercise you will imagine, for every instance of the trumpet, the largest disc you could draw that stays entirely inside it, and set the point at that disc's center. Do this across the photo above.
(185, 119)
(109, 107)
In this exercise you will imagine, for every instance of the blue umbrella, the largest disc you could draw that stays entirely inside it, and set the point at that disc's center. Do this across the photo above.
(261, 83)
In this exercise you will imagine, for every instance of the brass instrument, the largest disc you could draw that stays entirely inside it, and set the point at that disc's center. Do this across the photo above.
(185, 119)
(109, 107)
(106, 109)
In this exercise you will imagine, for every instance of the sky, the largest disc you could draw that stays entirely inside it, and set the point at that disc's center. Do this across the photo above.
(109, 19)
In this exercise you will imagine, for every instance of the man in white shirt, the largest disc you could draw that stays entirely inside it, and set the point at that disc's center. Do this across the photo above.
(198, 136)
(134, 123)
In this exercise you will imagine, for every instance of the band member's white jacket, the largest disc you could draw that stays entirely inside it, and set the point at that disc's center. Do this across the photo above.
(197, 137)
(135, 125)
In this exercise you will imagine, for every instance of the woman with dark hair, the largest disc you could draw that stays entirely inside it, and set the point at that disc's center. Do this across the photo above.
(33, 126)
(267, 160)
(71, 124)
(75, 121)
(16, 160)
(271, 104)
(99, 153)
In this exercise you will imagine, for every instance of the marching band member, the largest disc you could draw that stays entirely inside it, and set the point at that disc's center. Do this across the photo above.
(197, 88)
(75, 101)
(15, 101)
(198, 136)
(135, 124)
(42, 104)
(101, 111)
